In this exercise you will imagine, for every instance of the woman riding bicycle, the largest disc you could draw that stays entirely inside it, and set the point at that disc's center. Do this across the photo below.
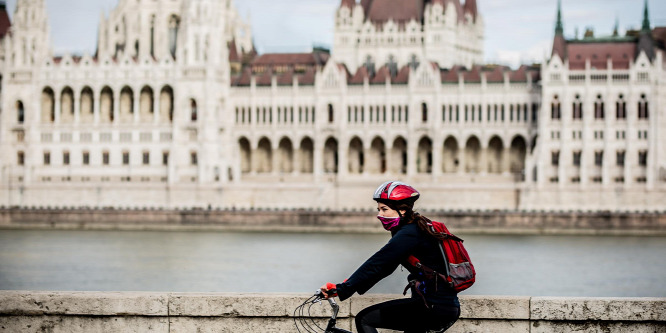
(434, 304)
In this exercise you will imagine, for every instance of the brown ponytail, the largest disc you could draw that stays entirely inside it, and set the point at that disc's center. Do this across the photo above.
(421, 221)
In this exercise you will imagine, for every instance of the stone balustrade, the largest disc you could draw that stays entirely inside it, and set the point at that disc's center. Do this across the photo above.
(73, 312)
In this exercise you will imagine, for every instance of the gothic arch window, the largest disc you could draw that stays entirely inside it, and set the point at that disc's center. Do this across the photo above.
(331, 155)
(643, 112)
(424, 156)
(356, 155)
(87, 105)
(146, 104)
(67, 105)
(330, 113)
(106, 105)
(245, 155)
(424, 112)
(599, 108)
(555, 110)
(577, 108)
(48, 105)
(166, 104)
(20, 112)
(450, 157)
(621, 108)
(174, 26)
(152, 35)
(193, 110)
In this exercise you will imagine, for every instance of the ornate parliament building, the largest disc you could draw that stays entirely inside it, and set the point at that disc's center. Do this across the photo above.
(176, 109)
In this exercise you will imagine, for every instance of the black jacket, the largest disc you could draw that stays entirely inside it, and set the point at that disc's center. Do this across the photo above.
(406, 240)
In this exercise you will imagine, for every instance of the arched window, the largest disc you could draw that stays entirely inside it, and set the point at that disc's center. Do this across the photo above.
(330, 113)
(621, 108)
(555, 108)
(599, 108)
(643, 108)
(20, 112)
(174, 25)
(424, 112)
(577, 108)
(193, 110)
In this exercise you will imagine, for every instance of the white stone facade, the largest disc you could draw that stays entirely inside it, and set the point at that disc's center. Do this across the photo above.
(157, 119)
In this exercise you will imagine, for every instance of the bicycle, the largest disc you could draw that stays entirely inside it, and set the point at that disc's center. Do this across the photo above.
(308, 323)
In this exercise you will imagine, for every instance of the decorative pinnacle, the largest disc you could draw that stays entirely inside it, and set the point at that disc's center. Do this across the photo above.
(646, 19)
(559, 27)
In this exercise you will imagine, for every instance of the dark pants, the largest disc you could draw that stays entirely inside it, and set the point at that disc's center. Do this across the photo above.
(408, 314)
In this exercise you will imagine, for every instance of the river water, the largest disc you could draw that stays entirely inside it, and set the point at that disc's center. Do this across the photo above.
(294, 262)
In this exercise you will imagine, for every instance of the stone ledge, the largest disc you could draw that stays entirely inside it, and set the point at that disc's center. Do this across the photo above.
(25, 304)
(604, 309)
(29, 303)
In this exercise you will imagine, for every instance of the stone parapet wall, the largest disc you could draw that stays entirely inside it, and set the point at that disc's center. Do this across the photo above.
(300, 220)
(73, 312)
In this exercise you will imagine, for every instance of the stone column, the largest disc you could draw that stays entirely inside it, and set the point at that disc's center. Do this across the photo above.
(97, 104)
(136, 102)
(57, 107)
(506, 160)
(157, 108)
(76, 95)
(412, 151)
(115, 97)
(318, 156)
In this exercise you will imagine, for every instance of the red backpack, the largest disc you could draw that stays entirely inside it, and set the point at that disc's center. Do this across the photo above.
(460, 272)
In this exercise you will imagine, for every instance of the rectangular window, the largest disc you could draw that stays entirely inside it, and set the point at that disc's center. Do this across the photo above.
(165, 158)
(20, 158)
(555, 158)
(193, 158)
(86, 158)
(105, 158)
(620, 158)
(126, 158)
(65, 158)
(598, 158)
(576, 158)
(642, 158)
(47, 158)
(146, 158)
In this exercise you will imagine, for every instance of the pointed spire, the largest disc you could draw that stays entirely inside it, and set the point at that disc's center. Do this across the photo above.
(616, 29)
(559, 27)
(646, 18)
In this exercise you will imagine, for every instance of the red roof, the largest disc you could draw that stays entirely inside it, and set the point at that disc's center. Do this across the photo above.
(470, 7)
(473, 76)
(359, 76)
(496, 76)
(233, 52)
(348, 3)
(398, 10)
(621, 54)
(5, 23)
(451, 75)
(291, 59)
(403, 76)
(380, 77)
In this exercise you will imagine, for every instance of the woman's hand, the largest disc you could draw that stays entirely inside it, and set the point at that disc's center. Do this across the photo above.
(326, 288)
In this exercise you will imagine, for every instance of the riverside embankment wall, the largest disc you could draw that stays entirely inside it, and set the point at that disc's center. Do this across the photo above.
(495, 222)
(74, 312)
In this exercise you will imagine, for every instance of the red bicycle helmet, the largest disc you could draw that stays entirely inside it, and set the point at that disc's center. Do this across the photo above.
(394, 191)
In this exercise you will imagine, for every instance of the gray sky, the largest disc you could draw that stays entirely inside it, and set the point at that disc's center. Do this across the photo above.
(517, 31)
